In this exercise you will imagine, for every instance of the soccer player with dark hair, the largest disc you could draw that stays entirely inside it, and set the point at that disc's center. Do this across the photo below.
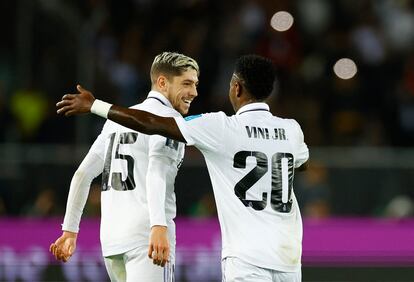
(138, 173)
(251, 158)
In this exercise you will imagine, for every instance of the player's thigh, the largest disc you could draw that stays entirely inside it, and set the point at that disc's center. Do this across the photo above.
(236, 270)
(287, 276)
(116, 268)
(141, 268)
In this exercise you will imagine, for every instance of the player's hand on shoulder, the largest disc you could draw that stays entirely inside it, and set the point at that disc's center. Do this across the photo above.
(72, 104)
(64, 247)
(159, 247)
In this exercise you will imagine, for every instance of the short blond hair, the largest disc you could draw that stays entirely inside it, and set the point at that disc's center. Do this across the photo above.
(172, 64)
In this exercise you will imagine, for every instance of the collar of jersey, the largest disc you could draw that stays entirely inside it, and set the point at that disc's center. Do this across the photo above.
(253, 107)
(161, 98)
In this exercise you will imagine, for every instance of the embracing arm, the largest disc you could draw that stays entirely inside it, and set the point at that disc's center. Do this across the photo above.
(84, 102)
(145, 122)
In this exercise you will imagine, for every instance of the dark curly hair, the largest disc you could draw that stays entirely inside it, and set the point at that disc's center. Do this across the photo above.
(258, 75)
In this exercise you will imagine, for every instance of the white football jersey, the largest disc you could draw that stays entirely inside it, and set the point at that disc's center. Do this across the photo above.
(125, 220)
(251, 158)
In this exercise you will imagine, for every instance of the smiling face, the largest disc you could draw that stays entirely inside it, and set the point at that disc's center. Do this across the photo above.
(181, 90)
(175, 76)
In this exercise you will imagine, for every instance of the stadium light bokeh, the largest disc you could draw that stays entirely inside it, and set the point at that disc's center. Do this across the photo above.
(345, 68)
(282, 21)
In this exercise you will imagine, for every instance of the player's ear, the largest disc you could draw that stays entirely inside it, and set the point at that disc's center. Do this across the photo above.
(238, 89)
(162, 82)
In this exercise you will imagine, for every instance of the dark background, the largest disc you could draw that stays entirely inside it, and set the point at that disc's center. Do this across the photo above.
(360, 131)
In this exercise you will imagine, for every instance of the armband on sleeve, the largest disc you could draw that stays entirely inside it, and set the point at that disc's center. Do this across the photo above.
(100, 108)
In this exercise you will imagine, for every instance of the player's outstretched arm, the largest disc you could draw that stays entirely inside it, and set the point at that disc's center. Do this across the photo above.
(64, 246)
(83, 102)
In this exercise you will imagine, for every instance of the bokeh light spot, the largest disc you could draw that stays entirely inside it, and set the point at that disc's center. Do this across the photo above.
(345, 68)
(281, 21)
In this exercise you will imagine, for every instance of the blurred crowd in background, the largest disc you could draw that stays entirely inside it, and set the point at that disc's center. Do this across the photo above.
(47, 47)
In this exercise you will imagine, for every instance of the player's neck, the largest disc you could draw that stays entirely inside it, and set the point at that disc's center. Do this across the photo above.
(163, 93)
(245, 101)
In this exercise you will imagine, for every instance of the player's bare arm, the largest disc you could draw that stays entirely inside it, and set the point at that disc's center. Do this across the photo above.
(145, 122)
(73, 104)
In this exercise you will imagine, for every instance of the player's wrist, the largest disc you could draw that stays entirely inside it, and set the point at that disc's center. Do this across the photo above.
(159, 227)
(70, 234)
(100, 108)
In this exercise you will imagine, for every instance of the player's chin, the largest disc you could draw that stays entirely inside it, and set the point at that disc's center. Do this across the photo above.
(184, 109)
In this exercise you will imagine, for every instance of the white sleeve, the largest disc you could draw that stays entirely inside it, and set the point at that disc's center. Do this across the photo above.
(156, 188)
(163, 153)
(91, 166)
(203, 131)
(301, 149)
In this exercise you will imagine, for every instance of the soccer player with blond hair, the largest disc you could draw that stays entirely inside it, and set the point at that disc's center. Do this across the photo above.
(138, 172)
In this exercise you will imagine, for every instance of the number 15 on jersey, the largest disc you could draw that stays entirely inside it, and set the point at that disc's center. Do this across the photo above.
(116, 180)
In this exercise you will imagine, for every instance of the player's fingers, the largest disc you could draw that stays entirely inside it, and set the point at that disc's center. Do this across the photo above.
(65, 251)
(60, 257)
(158, 257)
(163, 259)
(66, 258)
(71, 250)
(80, 88)
(64, 110)
(53, 250)
(155, 259)
(150, 250)
(52, 247)
(160, 252)
(163, 263)
(154, 255)
(163, 251)
(70, 113)
(63, 103)
(57, 256)
(69, 96)
(167, 255)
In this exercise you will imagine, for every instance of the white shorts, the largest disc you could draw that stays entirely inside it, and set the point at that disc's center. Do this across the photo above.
(236, 270)
(135, 265)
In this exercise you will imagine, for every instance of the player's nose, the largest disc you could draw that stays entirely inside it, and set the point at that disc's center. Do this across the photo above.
(194, 93)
